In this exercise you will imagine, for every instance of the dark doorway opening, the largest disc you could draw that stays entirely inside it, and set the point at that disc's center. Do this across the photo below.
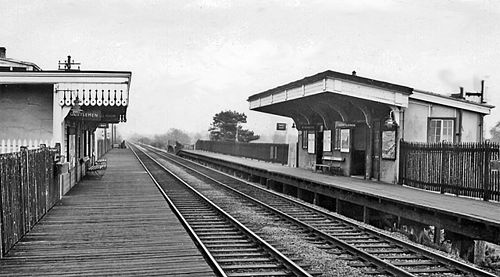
(319, 147)
(359, 151)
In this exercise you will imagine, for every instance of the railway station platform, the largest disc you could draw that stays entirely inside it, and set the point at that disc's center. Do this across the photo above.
(472, 218)
(117, 225)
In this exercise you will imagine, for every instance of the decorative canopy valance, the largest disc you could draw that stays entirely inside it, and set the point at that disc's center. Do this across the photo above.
(88, 94)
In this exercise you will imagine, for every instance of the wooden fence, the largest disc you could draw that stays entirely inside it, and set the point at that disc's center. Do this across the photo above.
(28, 189)
(270, 152)
(460, 169)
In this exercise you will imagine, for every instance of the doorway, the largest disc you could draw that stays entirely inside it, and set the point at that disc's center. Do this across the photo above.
(358, 158)
(319, 147)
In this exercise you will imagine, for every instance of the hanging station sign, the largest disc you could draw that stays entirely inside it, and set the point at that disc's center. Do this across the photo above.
(344, 125)
(310, 127)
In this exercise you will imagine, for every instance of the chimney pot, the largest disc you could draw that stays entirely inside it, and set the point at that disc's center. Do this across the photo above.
(354, 73)
(3, 50)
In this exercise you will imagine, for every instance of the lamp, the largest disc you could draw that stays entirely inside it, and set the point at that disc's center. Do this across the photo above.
(390, 123)
(76, 108)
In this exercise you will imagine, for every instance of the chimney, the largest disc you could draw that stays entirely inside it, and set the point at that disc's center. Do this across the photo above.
(2, 52)
(354, 73)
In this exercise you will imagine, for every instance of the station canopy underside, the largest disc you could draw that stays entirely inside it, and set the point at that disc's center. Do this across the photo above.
(332, 96)
(327, 108)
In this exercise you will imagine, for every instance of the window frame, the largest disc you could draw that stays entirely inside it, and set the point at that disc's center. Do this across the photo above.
(441, 119)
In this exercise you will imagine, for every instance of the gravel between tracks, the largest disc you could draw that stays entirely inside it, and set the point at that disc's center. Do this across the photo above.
(320, 260)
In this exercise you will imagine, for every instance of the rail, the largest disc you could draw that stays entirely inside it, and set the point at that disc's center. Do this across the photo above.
(201, 230)
(377, 246)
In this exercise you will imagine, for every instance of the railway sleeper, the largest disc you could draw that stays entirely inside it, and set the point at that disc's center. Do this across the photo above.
(240, 255)
(253, 266)
(257, 274)
(415, 263)
(374, 245)
(410, 256)
(216, 237)
(215, 229)
(237, 250)
(386, 251)
(232, 259)
(429, 270)
(248, 245)
(228, 241)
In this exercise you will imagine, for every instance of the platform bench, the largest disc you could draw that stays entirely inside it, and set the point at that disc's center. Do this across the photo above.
(96, 170)
(102, 162)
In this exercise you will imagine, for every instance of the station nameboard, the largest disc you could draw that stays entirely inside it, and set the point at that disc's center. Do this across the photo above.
(281, 126)
(85, 115)
(309, 127)
(344, 125)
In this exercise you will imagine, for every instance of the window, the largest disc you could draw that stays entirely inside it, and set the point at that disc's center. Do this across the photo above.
(441, 130)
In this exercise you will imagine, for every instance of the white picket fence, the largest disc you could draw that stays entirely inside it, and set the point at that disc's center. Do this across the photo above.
(14, 145)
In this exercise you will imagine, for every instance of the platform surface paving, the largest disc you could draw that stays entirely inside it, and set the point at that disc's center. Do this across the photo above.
(469, 208)
(118, 225)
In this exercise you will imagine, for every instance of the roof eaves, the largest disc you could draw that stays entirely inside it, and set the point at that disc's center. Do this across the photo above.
(334, 74)
(453, 98)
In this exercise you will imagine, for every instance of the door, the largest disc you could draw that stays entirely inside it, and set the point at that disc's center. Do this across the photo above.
(319, 147)
(358, 159)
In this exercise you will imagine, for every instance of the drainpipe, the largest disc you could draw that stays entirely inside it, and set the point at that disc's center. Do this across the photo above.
(460, 116)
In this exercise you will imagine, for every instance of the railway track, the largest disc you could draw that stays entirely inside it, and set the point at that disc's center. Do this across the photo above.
(230, 248)
(377, 252)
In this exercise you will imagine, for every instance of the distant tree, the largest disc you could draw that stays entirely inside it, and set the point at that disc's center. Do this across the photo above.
(495, 133)
(226, 127)
(172, 136)
(246, 135)
(178, 135)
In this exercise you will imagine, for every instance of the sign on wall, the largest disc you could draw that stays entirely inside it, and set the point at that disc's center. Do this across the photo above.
(85, 115)
(281, 126)
(311, 139)
(389, 145)
(327, 140)
(345, 140)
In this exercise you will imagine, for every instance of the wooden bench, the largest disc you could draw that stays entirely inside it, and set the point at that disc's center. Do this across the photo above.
(102, 162)
(322, 167)
(96, 170)
(330, 168)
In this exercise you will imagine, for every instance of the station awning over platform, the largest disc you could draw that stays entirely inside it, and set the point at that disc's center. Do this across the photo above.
(334, 89)
(102, 96)
(334, 83)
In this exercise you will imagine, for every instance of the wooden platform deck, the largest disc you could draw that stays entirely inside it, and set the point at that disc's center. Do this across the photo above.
(448, 210)
(118, 225)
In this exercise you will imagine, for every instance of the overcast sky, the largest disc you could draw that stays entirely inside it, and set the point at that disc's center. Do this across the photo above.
(192, 59)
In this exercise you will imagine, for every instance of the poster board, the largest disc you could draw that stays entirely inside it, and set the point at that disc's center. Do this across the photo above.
(311, 139)
(304, 139)
(327, 140)
(345, 140)
(389, 145)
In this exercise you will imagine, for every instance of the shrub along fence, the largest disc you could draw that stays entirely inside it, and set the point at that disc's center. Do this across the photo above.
(28, 189)
(461, 169)
(270, 152)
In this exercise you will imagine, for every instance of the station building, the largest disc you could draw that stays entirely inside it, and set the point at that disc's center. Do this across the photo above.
(60, 108)
(354, 125)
